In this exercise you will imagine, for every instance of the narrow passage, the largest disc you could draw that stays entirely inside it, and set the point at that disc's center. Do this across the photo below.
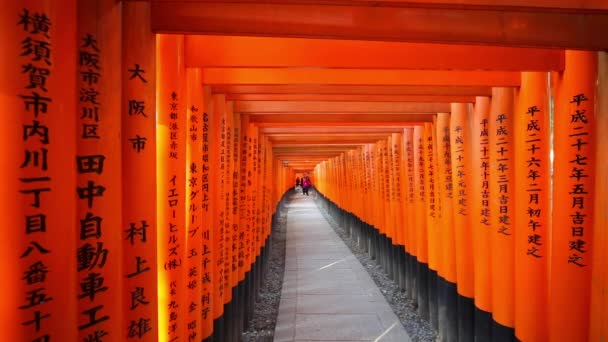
(327, 294)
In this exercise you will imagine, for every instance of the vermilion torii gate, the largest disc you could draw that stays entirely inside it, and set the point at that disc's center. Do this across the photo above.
(146, 144)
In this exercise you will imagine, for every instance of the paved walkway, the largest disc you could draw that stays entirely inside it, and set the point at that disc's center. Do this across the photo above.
(327, 294)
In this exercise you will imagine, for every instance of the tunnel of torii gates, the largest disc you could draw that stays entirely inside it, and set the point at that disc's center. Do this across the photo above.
(145, 147)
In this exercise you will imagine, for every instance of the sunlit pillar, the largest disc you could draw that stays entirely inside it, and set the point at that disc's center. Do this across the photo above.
(532, 206)
(599, 280)
(38, 94)
(98, 164)
(171, 172)
(573, 187)
(460, 138)
(195, 229)
(480, 214)
(502, 211)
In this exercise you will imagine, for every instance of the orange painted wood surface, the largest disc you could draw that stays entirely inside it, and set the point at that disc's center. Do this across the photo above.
(140, 301)
(235, 51)
(171, 141)
(480, 206)
(574, 179)
(99, 165)
(38, 95)
(532, 207)
(502, 208)
(484, 25)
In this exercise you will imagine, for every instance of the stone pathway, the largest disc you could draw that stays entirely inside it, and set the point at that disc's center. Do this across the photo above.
(327, 294)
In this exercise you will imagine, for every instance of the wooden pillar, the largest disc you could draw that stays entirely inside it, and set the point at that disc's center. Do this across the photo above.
(208, 174)
(218, 121)
(139, 183)
(171, 187)
(38, 144)
(421, 222)
(502, 212)
(432, 219)
(195, 250)
(480, 211)
(599, 279)
(98, 164)
(573, 188)
(532, 206)
(463, 216)
(411, 210)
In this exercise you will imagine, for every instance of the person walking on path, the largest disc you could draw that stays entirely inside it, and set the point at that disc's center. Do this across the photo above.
(305, 185)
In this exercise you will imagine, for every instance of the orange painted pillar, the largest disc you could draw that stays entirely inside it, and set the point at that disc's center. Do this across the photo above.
(98, 165)
(422, 270)
(532, 207)
(38, 97)
(218, 165)
(448, 317)
(229, 275)
(432, 216)
(480, 211)
(172, 121)
(138, 158)
(573, 188)
(460, 138)
(230, 262)
(599, 278)
(207, 176)
(502, 209)
(244, 249)
(398, 194)
(411, 215)
(195, 251)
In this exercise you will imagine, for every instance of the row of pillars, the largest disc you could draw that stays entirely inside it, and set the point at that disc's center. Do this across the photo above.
(136, 205)
(492, 217)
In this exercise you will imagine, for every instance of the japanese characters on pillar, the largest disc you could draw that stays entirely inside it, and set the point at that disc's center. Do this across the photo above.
(484, 157)
(139, 184)
(253, 133)
(461, 175)
(172, 121)
(207, 234)
(480, 202)
(38, 207)
(196, 249)
(411, 191)
(421, 217)
(245, 224)
(501, 204)
(579, 137)
(227, 202)
(98, 167)
(219, 121)
(430, 195)
(573, 184)
(533, 163)
(444, 181)
(397, 151)
(532, 175)
(237, 261)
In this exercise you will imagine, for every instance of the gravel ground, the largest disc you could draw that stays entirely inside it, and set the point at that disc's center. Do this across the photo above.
(418, 329)
(264, 320)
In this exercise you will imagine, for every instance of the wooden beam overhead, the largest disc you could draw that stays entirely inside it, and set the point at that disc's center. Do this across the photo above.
(337, 107)
(228, 51)
(307, 89)
(352, 119)
(578, 6)
(451, 24)
(268, 131)
(249, 76)
(361, 98)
